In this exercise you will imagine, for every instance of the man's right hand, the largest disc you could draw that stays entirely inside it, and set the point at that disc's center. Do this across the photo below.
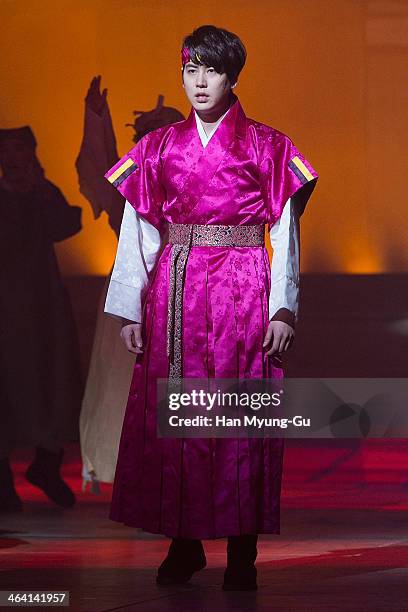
(94, 98)
(132, 337)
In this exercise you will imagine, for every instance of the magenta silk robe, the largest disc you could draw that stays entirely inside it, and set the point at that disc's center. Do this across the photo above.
(205, 488)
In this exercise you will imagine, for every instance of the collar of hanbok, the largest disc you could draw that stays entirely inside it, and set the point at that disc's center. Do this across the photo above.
(205, 138)
(232, 125)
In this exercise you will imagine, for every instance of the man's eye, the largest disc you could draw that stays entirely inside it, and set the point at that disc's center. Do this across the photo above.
(191, 70)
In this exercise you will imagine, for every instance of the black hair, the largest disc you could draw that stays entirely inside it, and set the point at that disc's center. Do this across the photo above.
(218, 48)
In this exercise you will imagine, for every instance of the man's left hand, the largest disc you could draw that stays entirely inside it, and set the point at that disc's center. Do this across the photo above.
(281, 335)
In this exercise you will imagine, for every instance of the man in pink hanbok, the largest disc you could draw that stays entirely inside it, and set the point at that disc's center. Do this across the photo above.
(209, 306)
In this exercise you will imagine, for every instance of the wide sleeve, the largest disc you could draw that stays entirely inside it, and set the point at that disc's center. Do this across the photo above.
(63, 220)
(137, 176)
(284, 294)
(284, 173)
(137, 251)
(98, 152)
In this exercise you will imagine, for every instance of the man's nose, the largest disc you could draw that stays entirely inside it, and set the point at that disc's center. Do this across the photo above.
(201, 79)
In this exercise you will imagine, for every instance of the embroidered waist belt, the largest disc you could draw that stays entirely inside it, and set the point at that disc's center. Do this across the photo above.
(183, 237)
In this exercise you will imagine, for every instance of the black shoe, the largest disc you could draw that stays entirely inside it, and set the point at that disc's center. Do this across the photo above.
(185, 557)
(9, 500)
(241, 573)
(240, 579)
(44, 472)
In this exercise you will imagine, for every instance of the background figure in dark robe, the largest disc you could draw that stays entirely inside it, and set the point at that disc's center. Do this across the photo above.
(40, 375)
(111, 365)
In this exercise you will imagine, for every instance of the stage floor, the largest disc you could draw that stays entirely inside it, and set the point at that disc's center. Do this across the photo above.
(343, 543)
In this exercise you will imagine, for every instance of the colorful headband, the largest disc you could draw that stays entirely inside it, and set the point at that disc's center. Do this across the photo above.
(186, 56)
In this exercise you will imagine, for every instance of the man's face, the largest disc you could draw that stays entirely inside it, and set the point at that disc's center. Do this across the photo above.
(15, 157)
(205, 88)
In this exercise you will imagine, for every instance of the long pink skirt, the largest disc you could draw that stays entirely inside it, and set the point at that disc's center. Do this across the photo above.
(214, 487)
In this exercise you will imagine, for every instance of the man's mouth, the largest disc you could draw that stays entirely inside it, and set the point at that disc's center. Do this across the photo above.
(202, 96)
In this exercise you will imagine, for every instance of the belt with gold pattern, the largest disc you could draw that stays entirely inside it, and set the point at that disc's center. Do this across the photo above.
(183, 236)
